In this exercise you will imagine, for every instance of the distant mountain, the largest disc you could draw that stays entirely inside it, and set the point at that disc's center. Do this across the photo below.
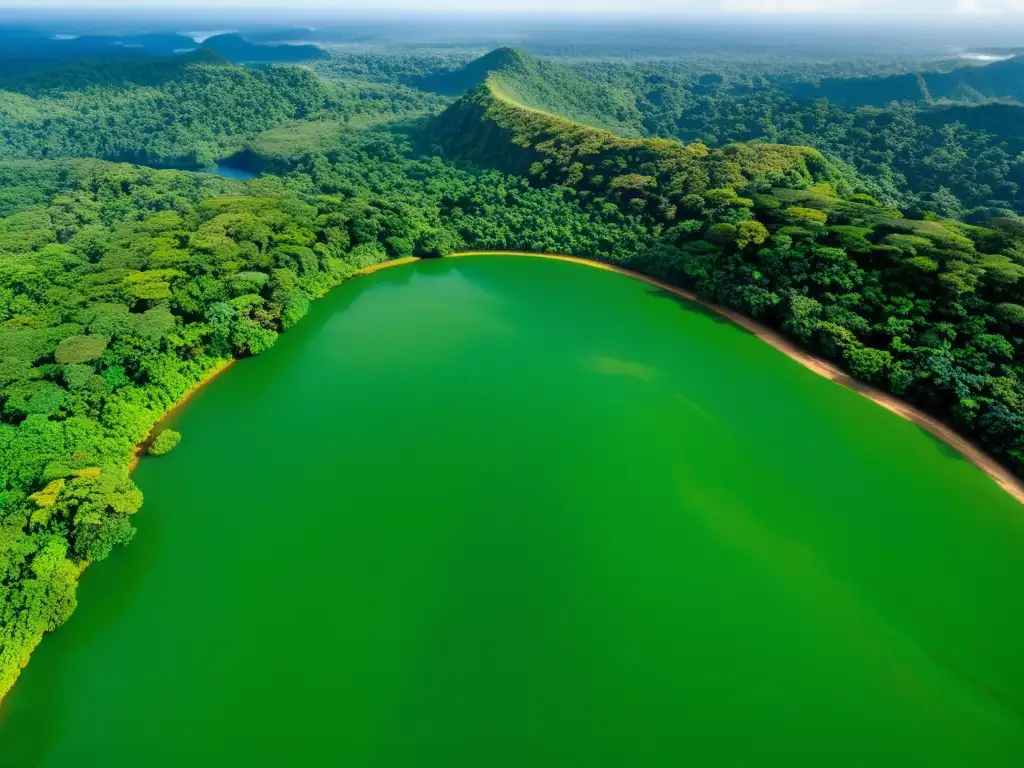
(23, 51)
(33, 45)
(238, 50)
(972, 84)
(116, 73)
(464, 79)
(541, 85)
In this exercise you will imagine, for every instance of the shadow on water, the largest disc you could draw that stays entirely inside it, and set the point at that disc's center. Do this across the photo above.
(291, 346)
(694, 306)
(110, 588)
(943, 447)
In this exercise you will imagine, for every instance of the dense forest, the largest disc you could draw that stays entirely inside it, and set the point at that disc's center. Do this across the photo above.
(181, 112)
(882, 237)
(921, 151)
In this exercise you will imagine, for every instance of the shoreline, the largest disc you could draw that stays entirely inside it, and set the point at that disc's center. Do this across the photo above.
(222, 366)
(996, 471)
(1005, 479)
(987, 464)
(140, 449)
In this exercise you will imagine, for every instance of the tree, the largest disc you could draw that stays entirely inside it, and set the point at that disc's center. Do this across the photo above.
(164, 442)
(868, 363)
(80, 349)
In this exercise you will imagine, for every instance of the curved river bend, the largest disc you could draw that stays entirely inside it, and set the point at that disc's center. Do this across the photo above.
(505, 512)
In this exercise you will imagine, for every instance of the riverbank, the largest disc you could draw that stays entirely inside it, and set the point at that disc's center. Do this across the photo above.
(223, 365)
(572, 370)
(205, 379)
(137, 453)
(1000, 474)
(987, 464)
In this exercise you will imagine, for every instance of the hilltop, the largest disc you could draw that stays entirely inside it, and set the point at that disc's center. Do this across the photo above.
(541, 85)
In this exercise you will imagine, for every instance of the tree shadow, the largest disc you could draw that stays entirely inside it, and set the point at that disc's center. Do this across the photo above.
(943, 447)
(695, 306)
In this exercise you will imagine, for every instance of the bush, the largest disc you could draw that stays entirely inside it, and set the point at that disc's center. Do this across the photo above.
(164, 442)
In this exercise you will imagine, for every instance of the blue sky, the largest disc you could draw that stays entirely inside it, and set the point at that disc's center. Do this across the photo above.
(952, 8)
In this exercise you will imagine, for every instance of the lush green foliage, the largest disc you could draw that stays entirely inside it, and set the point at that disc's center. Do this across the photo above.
(649, 177)
(182, 112)
(165, 441)
(958, 160)
(121, 287)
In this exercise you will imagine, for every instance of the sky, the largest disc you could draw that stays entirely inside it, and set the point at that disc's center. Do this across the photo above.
(951, 8)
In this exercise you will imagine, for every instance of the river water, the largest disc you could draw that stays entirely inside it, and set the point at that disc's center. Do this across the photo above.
(501, 511)
(231, 172)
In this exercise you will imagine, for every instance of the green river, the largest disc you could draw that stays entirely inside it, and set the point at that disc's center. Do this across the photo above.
(501, 511)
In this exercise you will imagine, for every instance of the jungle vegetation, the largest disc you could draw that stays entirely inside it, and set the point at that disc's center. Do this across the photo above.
(884, 238)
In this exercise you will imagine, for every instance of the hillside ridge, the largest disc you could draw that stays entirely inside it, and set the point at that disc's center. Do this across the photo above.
(544, 86)
(490, 127)
(969, 84)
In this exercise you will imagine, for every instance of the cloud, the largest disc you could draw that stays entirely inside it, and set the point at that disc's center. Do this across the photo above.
(989, 6)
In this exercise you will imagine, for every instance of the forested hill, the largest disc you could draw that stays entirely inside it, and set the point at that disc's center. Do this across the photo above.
(239, 50)
(107, 72)
(543, 85)
(179, 112)
(456, 82)
(647, 176)
(1000, 80)
(931, 310)
(25, 49)
(184, 111)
